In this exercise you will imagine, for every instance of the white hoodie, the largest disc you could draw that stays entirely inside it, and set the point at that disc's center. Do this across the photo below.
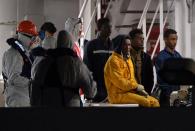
(17, 90)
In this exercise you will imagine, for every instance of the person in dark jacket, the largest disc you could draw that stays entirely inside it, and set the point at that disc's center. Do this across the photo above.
(170, 38)
(142, 62)
(59, 75)
(96, 54)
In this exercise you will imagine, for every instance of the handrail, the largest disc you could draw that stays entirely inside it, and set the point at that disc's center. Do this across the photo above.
(93, 14)
(144, 32)
(81, 39)
(149, 31)
(106, 12)
(144, 14)
(98, 9)
(163, 27)
(161, 24)
(82, 8)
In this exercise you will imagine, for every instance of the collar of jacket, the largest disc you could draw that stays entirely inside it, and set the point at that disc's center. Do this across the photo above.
(166, 50)
(107, 43)
(120, 56)
(16, 44)
(39, 51)
(135, 52)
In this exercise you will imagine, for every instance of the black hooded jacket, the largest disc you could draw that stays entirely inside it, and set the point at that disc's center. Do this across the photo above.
(95, 57)
(58, 78)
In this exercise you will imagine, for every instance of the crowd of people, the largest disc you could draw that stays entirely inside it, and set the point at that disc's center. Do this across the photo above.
(41, 70)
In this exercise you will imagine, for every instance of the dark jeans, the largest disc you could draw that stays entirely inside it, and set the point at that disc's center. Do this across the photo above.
(164, 99)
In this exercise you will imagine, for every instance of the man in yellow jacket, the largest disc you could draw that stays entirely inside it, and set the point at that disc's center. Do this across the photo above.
(119, 78)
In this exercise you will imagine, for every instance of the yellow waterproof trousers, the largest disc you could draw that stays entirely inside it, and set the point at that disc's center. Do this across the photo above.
(132, 98)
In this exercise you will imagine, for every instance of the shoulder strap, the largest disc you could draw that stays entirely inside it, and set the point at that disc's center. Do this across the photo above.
(16, 44)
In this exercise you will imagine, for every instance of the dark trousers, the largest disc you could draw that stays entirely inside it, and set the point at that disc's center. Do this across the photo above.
(165, 98)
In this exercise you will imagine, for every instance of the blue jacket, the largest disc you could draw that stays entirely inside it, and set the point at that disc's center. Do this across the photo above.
(162, 56)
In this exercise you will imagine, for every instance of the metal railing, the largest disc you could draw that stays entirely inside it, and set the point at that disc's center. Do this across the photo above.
(84, 34)
(142, 22)
(150, 28)
(144, 14)
(93, 14)
(109, 5)
(82, 8)
(165, 20)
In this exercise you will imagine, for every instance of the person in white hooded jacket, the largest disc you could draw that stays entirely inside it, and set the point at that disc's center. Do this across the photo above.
(16, 65)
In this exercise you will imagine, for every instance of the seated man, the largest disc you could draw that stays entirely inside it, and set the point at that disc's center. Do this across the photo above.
(120, 81)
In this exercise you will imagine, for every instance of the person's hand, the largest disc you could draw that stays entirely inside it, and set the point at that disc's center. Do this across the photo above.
(35, 42)
(144, 93)
(141, 90)
(140, 87)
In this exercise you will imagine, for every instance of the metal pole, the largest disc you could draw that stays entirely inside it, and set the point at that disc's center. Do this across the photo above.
(144, 32)
(82, 8)
(152, 22)
(93, 14)
(144, 14)
(82, 40)
(154, 50)
(105, 14)
(166, 17)
(98, 9)
(161, 25)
